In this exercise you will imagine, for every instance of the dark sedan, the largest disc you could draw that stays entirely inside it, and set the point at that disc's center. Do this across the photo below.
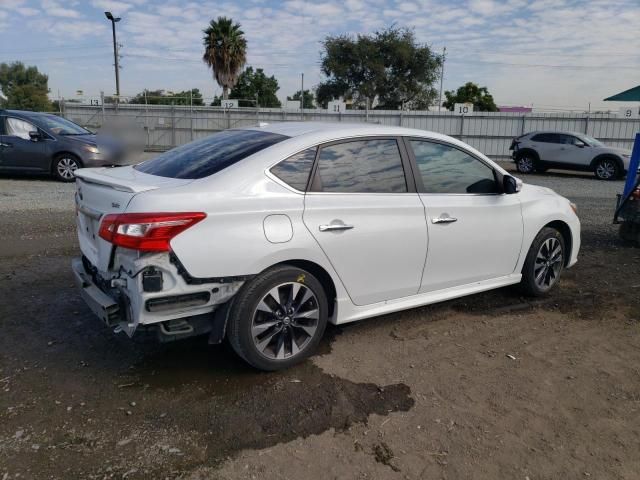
(33, 142)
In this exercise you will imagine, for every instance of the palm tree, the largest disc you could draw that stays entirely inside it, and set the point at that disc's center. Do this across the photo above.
(225, 51)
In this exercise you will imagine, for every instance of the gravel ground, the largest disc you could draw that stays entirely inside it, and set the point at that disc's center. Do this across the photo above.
(489, 386)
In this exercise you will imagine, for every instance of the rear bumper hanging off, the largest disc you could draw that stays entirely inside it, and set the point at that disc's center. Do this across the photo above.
(101, 304)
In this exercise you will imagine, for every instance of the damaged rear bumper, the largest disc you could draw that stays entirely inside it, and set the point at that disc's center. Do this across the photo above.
(101, 304)
(147, 291)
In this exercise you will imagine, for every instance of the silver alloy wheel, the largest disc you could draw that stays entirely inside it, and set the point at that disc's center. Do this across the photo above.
(606, 169)
(285, 321)
(548, 263)
(525, 164)
(66, 166)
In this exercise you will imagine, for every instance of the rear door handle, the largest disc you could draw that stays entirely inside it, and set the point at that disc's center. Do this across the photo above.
(334, 227)
(444, 219)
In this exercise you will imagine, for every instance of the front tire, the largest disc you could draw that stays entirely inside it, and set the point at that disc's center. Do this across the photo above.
(64, 167)
(278, 318)
(607, 169)
(544, 263)
(525, 163)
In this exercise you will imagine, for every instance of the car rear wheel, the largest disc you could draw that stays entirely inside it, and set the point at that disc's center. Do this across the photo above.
(607, 169)
(525, 163)
(278, 318)
(544, 263)
(64, 167)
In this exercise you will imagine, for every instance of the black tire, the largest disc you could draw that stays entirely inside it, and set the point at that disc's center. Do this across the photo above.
(607, 168)
(248, 315)
(534, 266)
(64, 165)
(525, 162)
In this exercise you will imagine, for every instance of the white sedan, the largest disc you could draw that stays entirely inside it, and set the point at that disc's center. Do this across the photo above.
(263, 235)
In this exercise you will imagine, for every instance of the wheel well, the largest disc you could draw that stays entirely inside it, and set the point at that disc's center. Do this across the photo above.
(607, 155)
(565, 231)
(529, 151)
(60, 154)
(321, 274)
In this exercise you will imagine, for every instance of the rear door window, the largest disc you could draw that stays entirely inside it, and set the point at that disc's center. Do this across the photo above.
(209, 155)
(363, 166)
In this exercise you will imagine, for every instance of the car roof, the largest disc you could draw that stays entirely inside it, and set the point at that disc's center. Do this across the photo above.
(26, 114)
(326, 131)
(561, 132)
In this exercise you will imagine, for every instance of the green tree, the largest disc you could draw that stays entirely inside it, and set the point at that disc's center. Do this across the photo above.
(308, 98)
(162, 97)
(471, 93)
(24, 88)
(255, 82)
(225, 51)
(388, 67)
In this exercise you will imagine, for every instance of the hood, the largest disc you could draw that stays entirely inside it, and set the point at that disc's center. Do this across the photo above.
(105, 143)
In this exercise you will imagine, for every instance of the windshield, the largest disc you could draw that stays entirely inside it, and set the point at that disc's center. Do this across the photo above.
(592, 141)
(209, 155)
(61, 126)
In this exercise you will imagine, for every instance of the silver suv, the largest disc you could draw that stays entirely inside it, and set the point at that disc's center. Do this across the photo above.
(542, 150)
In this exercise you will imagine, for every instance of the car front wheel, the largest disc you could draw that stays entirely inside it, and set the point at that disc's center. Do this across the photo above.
(607, 169)
(64, 167)
(544, 263)
(278, 318)
(525, 163)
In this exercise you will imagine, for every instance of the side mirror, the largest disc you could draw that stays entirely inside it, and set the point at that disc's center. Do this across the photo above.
(511, 185)
(579, 144)
(35, 136)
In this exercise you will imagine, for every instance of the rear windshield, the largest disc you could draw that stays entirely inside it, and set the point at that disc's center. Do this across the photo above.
(205, 157)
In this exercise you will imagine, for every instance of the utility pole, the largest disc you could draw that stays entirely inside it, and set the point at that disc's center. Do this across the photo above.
(444, 52)
(115, 50)
(302, 97)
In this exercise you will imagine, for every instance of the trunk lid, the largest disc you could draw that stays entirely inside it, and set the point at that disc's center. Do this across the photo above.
(101, 191)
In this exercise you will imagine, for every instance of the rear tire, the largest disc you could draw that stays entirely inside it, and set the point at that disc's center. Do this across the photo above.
(607, 169)
(525, 163)
(278, 318)
(64, 167)
(544, 263)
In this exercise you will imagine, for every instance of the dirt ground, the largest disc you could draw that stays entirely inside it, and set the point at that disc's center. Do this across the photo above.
(491, 386)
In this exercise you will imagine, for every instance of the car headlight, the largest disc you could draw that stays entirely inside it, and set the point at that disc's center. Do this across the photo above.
(92, 148)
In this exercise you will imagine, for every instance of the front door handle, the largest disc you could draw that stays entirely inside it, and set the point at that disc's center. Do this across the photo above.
(444, 219)
(335, 227)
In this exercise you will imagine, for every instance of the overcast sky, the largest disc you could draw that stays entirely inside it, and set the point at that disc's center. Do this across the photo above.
(560, 53)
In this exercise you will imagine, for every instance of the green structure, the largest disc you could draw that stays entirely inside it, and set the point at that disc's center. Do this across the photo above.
(631, 95)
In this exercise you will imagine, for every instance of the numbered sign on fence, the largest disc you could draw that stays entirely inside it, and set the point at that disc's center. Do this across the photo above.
(463, 108)
(336, 106)
(227, 104)
(629, 112)
(292, 105)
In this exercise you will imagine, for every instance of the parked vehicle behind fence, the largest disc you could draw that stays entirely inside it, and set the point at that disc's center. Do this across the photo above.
(42, 143)
(541, 150)
(263, 235)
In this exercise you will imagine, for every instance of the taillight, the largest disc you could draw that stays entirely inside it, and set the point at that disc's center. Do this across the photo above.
(147, 232)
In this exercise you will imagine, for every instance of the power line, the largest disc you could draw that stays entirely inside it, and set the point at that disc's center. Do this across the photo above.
(544, 65)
